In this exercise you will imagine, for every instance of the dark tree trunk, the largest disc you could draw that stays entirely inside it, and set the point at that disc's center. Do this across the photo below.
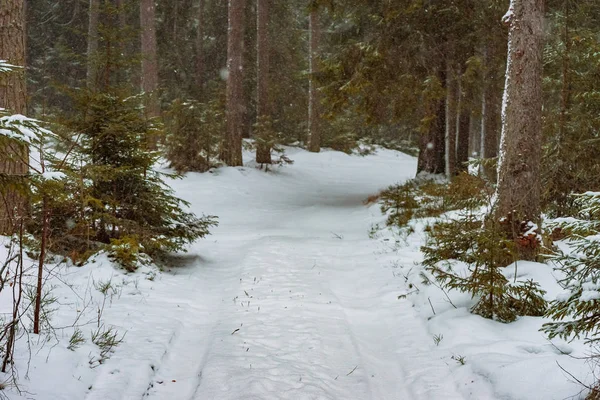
(314, 134)
(149, 58)
(451, 115)
(92, 44)
(463, 131)
(200, 51)
(263, 109)
(232, 150)
(517, 200)
(14, 157)
(490, 113)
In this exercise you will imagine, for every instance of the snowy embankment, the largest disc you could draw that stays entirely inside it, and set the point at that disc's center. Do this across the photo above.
(289, 299)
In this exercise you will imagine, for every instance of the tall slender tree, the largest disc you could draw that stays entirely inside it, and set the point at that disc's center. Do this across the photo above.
(200, 50)
(149, 58)
(263, 106)
(517, 203)
(314, 30)
(13, 157)
(232, 148)
(92, 43)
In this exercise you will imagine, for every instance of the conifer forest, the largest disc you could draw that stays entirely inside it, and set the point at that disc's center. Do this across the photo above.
(300, 199)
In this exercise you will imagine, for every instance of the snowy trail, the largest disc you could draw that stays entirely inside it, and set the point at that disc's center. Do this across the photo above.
(288, 299)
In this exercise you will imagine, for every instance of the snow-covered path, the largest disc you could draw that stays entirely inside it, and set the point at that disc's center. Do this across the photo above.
(285, 300)
(290, 299)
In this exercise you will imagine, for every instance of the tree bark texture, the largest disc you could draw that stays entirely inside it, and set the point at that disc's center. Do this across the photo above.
(517, 199)
(263, 105)
(232, 151)
(200, 50)
(463, 128)
(314, 134)
(491, 106)
(149, 58)
(432, 143)
(14, 157)
(451, 115)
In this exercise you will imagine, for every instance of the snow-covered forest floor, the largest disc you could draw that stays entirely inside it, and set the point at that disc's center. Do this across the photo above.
(289, 298)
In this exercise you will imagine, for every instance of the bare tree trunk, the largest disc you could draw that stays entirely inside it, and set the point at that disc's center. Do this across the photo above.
(200, 50)
(232, 150)
(314, 134)
(490, 114)
(263, 109)
(451, 114)
(92, 44)
(463, 132)
(517, 199)
(149, 59)
(432, 143)
(14, 157)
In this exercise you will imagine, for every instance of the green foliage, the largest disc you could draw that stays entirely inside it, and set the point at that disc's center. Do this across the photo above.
(577, 310)
(76, 340)
(195, 132)
(422, 198)
(125, 251)
(571, 106)
(112, 194)
(466, 255)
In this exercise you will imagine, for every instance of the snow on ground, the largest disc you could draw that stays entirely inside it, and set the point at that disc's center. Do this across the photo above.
(289, 299)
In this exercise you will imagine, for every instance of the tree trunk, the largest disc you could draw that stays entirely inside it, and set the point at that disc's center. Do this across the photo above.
(463, 130)
(200, 51)
(490, 113)
(14, 157)
(92, 44)
(149, 59)
(517, 199)
(314, 134)
(232, 151)
(451, 115)
(432, 143)
(263, 109)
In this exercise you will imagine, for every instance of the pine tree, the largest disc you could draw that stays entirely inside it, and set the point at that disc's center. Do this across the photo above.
(149, 57)
(14, 156)
(314, 135)
(517, 200)
(263, 104)
(232, 149)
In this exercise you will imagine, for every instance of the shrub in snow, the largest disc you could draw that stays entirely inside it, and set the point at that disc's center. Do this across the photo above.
(194, 134)
(115, 198)
(422, 198)
(577, 310)
(465, 255)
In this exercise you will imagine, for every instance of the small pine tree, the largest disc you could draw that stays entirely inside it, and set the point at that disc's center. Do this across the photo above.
(117, 198)
(195, 133)
(577, 311)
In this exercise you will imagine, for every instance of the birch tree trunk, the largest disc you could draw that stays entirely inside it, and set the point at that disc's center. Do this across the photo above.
(232, 150)
(14, 157)
(517, 199)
